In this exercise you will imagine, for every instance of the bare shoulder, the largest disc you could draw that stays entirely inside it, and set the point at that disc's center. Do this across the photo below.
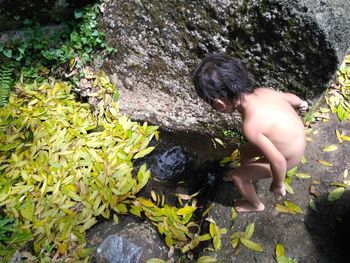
(269, 92)
(251, 128)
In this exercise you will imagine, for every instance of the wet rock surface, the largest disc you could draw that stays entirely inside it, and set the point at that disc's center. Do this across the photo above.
(290, 45)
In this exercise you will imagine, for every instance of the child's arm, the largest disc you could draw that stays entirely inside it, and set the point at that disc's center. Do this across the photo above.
(278, 163)
(295, 101)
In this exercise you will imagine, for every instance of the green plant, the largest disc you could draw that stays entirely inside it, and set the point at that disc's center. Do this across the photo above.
(62, 167)
(40, 51)
(6, 82)
(11, 236)
(233, 134)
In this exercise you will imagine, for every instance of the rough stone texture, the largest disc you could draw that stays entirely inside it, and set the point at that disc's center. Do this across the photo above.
(290, 45)
(138, 232)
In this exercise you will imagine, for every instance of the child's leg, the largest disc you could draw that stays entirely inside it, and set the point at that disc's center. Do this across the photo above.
(248, 152)
(242, 177)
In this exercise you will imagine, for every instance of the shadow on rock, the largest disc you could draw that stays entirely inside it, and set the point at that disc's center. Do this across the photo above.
(329, 228)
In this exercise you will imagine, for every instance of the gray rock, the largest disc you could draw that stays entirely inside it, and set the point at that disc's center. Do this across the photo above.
(289, 45)
(115, 249)
(132, 239)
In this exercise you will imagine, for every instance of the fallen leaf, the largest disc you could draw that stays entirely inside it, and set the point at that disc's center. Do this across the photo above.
(313, 205)
(206, 259)
(279, 250)
(284, 209)
(252, 245)
(217, 140)
(293, 207)
(336, 194)
(302, 175)
(312, 191)
(325, 163)
(330, 148)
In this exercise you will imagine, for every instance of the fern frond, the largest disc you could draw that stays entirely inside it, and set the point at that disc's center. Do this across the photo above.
(6, 83)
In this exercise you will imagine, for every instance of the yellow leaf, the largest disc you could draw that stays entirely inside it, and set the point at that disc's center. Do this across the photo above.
(249, 231)
(289, 189)
(156, 260)
(186, 210)
(337, 133)
(143, 152)
(154, 196)
(345, 173)
(115, 219)
(345, 138)
(95, 155)
(169, 241)
(336, 194)
(325, 163)
(302, 175)
(330, 148)
(217, 243)
(284, 209)
(293, 207)
(233, 214)
(217, 140)
(212, 229)
(206, 259)
(279, 250)
(252, 245)
(303, 160)
(145, 202)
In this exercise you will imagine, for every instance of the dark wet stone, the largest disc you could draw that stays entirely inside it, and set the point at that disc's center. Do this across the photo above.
(115, 249)
(170, 164)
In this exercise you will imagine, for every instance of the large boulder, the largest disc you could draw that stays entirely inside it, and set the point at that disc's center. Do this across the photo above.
(289, 45)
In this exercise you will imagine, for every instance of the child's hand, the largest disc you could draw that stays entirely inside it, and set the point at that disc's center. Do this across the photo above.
(303, 106)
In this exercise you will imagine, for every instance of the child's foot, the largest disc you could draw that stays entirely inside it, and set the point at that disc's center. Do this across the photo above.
(243, 205)
(279, 190)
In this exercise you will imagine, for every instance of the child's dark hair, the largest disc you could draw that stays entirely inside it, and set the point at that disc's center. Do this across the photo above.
(221, 76)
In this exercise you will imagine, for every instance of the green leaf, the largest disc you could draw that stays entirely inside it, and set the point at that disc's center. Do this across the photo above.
(217, 243)
(312, 205)
(252, 245)
(27, 211)
(292, 171)
(206, 259)
(336, 194)
(249, 231)
(289, 189)
(143, 152)
(186, 210)
(233, 214)
(284, 259)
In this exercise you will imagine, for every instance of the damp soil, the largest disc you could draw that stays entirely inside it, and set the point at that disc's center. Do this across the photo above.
(187, 163)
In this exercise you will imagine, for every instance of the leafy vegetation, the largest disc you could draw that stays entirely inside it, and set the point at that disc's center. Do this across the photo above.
(11, 236)
(56, 156)
(40, 52)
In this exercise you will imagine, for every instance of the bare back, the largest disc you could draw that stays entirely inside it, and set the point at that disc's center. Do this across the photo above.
(268, 112)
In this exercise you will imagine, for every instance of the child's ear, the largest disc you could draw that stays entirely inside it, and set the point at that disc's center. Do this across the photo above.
(219, 105)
